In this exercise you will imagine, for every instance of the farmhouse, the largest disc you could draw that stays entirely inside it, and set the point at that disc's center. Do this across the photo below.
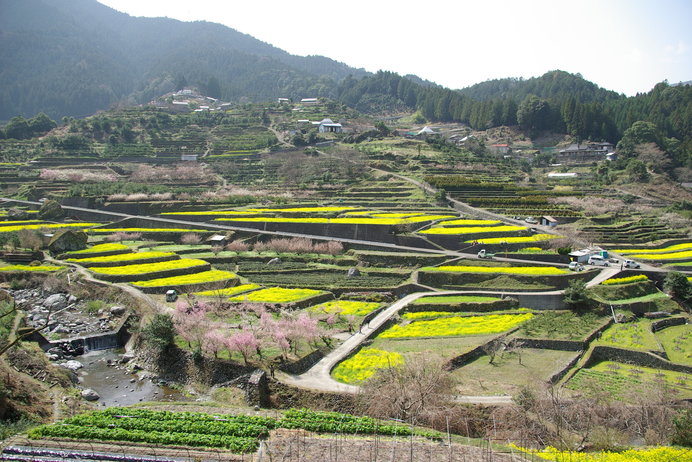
(328, 126)
(425, 131)
(499, 148)
(308, 101)
(582, 153)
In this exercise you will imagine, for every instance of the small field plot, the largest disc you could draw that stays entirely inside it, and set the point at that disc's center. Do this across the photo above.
(329, 279)
(506, 375)
(618, 379)
(457, 326)
(677, 342)
(561, 325)
(634, 335)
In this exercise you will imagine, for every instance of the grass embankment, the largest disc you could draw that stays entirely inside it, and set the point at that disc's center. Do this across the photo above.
(677, 342)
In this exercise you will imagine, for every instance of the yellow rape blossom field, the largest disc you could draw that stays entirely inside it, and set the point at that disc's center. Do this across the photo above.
(660, 454)
(364, 364)
(8, 229)
(521, 270)
(664, 256)
(345, 307)
(343, 221)
(196, 278)
(122, 257)
(43, 268)
(276, 295)
(517, 240)
(457, 326)
(228, 291)
(474, 229)
(627, 280)
(671, 248)
(469, 222)
(149, 267)
(107, 247)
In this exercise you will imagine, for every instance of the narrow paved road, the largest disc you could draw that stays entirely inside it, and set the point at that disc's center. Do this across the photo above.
(319, 376)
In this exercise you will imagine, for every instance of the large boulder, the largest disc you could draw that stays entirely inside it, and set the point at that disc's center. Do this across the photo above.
(68, 240)
(90, 395)
(55, 302)
(50, 210)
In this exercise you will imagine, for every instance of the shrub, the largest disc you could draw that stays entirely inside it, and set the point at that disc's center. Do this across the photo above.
(190, 239)
(123, 236)
(237, 246)
(160, 332)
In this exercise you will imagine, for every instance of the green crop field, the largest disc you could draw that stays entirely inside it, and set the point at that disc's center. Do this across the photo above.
(677, 343)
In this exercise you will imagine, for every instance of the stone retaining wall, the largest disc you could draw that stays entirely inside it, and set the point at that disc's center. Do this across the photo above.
(639, 358)
(668, 322)
(303, 364)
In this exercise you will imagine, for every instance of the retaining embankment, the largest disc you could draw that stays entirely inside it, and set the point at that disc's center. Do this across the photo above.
(639, 358)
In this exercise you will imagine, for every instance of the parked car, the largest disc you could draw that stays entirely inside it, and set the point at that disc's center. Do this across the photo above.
(631, 264)
(531, 220)
(597, 260)
(576, 266)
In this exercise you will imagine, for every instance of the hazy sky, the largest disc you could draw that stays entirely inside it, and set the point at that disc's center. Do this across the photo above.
(622, 45)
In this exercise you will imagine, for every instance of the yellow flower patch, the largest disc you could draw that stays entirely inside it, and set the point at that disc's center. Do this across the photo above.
(343, 221)
(212, 212)
(670, 248)
(661, 256)
(659, 454)
(364, 364)
(228, 291)
(8, 229)
(276, 295)
(19, 222)
(457, 326)
(39, 269)
(474, 229)
(517, 240)
(627, 280)
(149, 267)
(521, 270)
(124, 257)
(196, 278)
(98, 248)
(345, 307)
(305, 209)
(146, 230)
(468, 222)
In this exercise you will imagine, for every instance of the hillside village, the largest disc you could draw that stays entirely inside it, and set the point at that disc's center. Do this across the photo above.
(348, 266)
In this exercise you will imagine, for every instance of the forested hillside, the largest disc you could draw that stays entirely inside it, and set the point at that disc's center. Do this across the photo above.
(75, 57)
(556, 101)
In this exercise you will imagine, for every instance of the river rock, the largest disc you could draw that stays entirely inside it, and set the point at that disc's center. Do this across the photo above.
(72, 365)
(353, 273)
(55, 301)
(117, 310)
(90, 395)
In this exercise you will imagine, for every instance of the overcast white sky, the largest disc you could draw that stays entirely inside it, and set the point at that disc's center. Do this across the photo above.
(622, 45)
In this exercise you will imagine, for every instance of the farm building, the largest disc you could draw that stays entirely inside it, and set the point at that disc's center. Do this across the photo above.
(328, 126)
(425, 131)
(580, 153)
(308, 101)
(548, 221)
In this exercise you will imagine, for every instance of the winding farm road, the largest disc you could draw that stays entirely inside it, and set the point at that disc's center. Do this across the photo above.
(319, 378)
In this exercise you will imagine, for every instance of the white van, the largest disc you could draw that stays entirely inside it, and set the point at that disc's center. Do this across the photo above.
(598, 260)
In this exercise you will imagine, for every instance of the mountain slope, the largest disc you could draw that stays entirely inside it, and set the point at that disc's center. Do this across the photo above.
(551, 85)
(74, 57)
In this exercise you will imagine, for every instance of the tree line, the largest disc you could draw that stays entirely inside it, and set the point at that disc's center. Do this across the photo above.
(557, 101)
